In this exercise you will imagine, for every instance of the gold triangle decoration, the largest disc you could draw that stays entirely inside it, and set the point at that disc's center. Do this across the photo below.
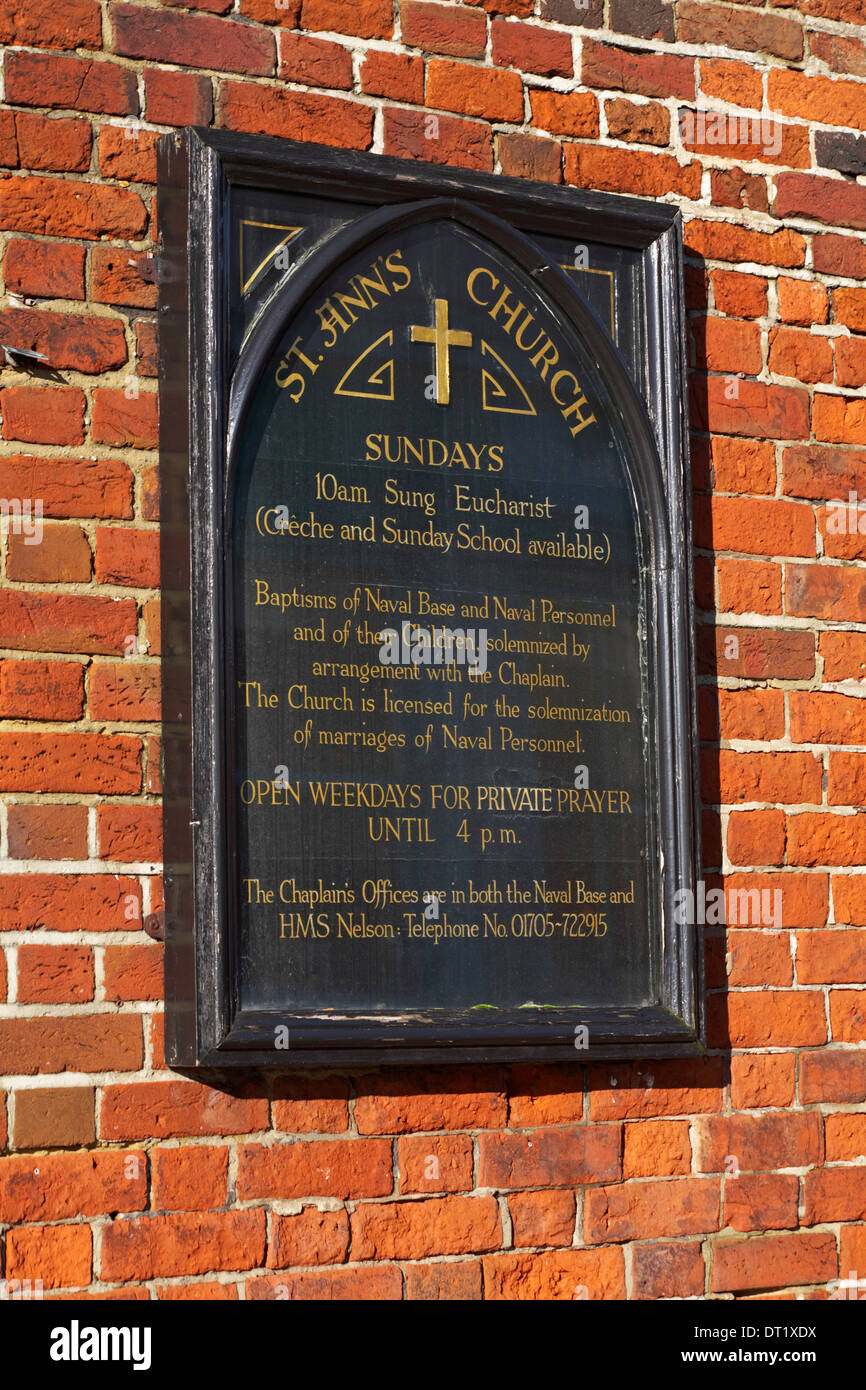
(494, 392)
(382, 378)
(290, 234)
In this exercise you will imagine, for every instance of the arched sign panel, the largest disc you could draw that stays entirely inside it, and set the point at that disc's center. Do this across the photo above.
(439, 744)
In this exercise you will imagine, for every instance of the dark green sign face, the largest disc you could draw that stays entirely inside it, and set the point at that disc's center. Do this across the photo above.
(440, 716)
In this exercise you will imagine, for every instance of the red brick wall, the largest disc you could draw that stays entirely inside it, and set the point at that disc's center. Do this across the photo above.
(118, 1177)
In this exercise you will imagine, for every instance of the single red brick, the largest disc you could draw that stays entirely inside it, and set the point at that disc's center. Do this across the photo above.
(529, 157)
(746, 586)
(835, 1194)
(59, 1257)
(79, 84)
(846, 782)
(435, 1163)
(132, 833)
(128, 153)
(125, 691)
(734, 188)
(310, 1105)
(70, 487)
(722, 136)
(726, 345)
(650, 74)
(312, 1237)
(70, 762)
(734, 405)
(833, 1076)
(74, 1184)
(731, 777)
(52, 142)
(189, 1179)
(845, 55)
(648, 122)
(558, 1157)
(800, 355)
(399, 1102)
(52, 270)
(41, 689)
(816, 98)
(438, 139)
(839, 255)
(127, 556)
(740, 29)
(541, 1218)
(825, 591)
(315, 62)
(44, 24)
(844, 1135)
(757, 837)
(47, 832)
(826, 200)
(740, 84)
(839, 419)
(343, 1168)
(66, 340)
(753, 714)
(183, 1243)
(43, 414)
(172, 1109)
(633, 171)
(849, 308)
(456, 1280)
(133, 972)
(540, 1095)
(850, 361)
(759, 1143)
(557, 1274)
(125, 417)
(308, 116)
(775, 1262)
(55, 974)
(369, 19)
(60, 902)
(443, 29)
(177, 98)
(766, 1018)
(415, 1229)
(531, 48)
(635, 1091)
(565, 113)
(147, 360)
(394, 75)
(474, 91)
(65, 622)
(673, 1207)
(759, 958)
(756, 654)
(83, 1043)
(738, 465)
(349, 1285)
(668, 1271)
(762, 1080)
(656, 1149)
(725, 241)
(196, 41)
(54, 1117)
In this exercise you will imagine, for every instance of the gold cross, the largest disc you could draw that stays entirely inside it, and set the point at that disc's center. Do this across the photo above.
(444, 338)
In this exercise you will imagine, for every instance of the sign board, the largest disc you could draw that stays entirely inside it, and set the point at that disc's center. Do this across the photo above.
(429, 703)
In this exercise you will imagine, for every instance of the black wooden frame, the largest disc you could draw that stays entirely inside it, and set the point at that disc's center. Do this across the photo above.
(201, 411)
